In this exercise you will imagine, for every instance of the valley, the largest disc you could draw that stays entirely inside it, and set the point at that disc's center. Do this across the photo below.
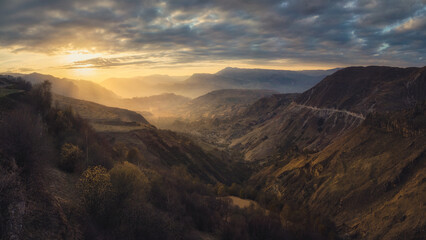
(344, 159)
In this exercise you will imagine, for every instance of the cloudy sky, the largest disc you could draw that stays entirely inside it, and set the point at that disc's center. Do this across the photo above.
(115, 38)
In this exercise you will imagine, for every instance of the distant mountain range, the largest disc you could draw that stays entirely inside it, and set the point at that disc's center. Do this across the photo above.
(142, 86)
(229, 78)
(166, 96)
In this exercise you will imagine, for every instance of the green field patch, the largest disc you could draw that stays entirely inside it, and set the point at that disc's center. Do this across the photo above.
(6, 91)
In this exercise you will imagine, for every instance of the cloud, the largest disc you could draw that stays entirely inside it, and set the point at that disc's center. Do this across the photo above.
(108, 62)
(23, 70)
(188, 31)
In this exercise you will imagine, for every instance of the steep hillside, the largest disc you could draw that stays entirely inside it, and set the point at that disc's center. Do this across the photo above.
(336, 105)
(297, 126)
(366, 89)
(370, 182)
(165, 149)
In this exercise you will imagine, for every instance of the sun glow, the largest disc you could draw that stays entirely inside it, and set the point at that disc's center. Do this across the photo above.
(81, 71)
(79, 55)
(84, 72)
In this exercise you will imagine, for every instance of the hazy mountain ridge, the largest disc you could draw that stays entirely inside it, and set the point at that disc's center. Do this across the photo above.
(229, 78)
(174, 105)
(81, 89)
(141, 86)
(90, 91)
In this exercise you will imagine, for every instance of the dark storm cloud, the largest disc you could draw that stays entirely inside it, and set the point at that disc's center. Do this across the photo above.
(316, 31)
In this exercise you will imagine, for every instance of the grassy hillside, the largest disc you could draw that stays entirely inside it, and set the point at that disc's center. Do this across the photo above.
(101, 117)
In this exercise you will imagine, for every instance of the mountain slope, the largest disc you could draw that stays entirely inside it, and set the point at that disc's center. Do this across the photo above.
(366, 89)
(165, 149)
(222, 103)
(370, 181)
(336, 105)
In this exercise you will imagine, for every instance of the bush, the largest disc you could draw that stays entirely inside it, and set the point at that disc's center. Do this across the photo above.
(134, 156)
(128, 181)
(95, 188)
(71, 157)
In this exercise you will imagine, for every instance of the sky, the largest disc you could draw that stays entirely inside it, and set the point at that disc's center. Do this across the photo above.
(98, 39)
